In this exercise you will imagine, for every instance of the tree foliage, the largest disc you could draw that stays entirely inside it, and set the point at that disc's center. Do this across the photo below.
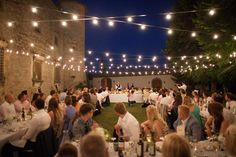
(223, 23)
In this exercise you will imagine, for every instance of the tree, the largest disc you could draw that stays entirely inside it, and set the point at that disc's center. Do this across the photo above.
(219, 67)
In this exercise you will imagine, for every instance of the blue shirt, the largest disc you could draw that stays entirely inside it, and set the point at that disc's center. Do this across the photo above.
(81, 128)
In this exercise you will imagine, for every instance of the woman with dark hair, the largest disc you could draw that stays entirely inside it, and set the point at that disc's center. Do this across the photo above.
(219, 119)
(75, 103)
(84, 99)
(34, 98)
(173, 115)
(69, 112)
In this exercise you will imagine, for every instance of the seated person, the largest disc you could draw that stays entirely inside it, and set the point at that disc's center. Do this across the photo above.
(83, 122)
(219, 119)
(93, 145)
(7, 109)
(67, 150)
(127, 122)
(188, 124)
(40, 121)
(175, 146)
(194, 109)
(154, 123)
(22, 103)
(230, 140)
(69, 112)
(131, 99)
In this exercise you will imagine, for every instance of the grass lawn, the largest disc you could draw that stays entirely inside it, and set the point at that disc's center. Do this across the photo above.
(108, 118)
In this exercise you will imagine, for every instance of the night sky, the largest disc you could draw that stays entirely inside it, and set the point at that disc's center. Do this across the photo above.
(126, 38)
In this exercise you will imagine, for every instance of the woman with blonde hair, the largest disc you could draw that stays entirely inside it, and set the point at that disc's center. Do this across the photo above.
(193, 109)
(230, 140)
(57, 118)
(175, 146)
(154, 123)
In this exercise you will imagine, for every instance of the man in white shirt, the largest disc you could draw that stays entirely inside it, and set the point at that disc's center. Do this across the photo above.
(127, 122)
(40, 121)
(7, 109)
(153, 97)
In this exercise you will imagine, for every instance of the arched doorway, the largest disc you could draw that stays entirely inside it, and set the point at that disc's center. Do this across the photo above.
(157, 83)
(106, 82)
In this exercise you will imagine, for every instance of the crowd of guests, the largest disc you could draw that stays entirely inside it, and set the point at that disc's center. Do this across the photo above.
(167, 110)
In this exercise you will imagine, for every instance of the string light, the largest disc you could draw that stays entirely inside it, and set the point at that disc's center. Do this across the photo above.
(143, 27)
(31, 44)
(111, 23)
(71, 50)
(89, 52)
(34, 10)
(35, 24)
(64, 23)
(124, 55)
(129, 19)
(168, 16)
(215, 36)
(52, 47)
(168, 58)
(234, 37)
(75, 17)
(11, 41)
(193, 34)
(212, 12)
(154, 58)
(95, 21)
(170, 31)
(9, 24)
(107, 54)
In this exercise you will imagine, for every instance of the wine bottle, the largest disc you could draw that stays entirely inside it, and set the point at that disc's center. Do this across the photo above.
(140, 148)
(152, 145)
(23, 113)
(120, 153)
(121, 143)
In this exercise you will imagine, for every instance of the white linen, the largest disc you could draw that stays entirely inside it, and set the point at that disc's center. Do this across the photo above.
(40, 121)
(114, 98)
(130, 126)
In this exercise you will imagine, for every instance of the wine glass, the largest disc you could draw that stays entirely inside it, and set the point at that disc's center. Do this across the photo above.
(113, 139)
(149, 137)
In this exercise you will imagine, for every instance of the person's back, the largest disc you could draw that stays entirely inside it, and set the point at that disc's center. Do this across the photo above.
(67, 150)
(93, 145)
(175, 146)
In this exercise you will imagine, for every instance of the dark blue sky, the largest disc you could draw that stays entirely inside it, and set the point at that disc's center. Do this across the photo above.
(124, 37)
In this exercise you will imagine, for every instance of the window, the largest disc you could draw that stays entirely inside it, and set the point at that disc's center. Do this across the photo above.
(57, 75)
(1, 65)
(55, 41)
(37, 30)
(37, 70)
(1, 5)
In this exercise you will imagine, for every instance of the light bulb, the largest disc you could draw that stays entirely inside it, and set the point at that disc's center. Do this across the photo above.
(211, 12)
(129, 19)
(168, 16)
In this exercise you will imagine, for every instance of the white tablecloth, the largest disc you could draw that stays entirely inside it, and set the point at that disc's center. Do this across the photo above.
(130, 150)
(12, 132)
(114, 98)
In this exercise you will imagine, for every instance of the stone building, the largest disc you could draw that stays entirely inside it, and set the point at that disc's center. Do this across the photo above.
(29, 56)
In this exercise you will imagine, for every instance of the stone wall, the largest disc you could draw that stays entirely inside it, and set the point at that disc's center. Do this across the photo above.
(18, 68)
